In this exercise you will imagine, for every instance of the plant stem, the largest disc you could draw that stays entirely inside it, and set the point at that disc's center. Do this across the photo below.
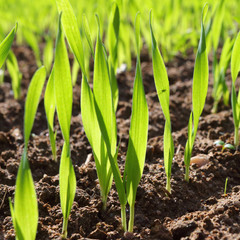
(123, 216)
(215, 107)
(64, 229)
(104, 201)
(225, 188)
(187, 173)
(131, 219)
(236, 137)
(168, 185)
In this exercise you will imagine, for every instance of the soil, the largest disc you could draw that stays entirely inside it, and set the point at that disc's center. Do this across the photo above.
(195, 210)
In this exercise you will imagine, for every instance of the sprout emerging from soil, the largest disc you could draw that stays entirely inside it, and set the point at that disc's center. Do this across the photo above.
(235, 68)
(223, 145)
(199, 93)
(63, 97)
(25, 210)
(162, 86)
(225, 187)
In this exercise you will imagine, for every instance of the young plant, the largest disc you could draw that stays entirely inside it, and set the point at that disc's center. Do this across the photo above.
(235, 68)
(162, 86)
(12, 66)
(25, 210)
(6, 44)
(138, 134)
(100, 105)
(126, 186)
(90, 121)
(199, 93)
(223, 145)
(88, 111)
(63, 101)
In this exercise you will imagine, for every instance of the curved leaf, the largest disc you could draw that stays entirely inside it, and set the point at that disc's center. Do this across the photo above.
(63, 85)
(235, 62)
(6, 44)
(31, 104)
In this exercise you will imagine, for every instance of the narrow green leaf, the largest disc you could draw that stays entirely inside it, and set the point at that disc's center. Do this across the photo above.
(217, 24)
(31, 104)
(71, 30)
(75, 70)
(160, 76)
(67, 181)
(189, 143)
(48, 54)
(25, 201)
(63, 100)
(200, 77)
(63, 85)
(235, 62)
(113, 33)
(6, 44)
(168, 153)
(235, 108)
(162, 86)
(92, 130)
(235, 68)
(49, 104)
(138, 130)
(87, 33)
(49, 100)
(18, 231)
(103, 99)
(226, 55)
(15, 74)
(105, 111)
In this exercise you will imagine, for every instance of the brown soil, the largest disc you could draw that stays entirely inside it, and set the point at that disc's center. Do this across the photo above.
(194, 210)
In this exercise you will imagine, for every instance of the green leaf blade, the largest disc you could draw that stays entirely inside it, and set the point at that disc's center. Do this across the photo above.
(25, 202)
(105, 112)
(63, 85)
(92, 130)
(235, 62)
(12, 66)
(67, 182)
(200, 77)
(160, 76)
(87, 33)
(113, 34)
(217, 24)
(6, 44)
(50, 105)
(103, 96)
(162, 85)
(71, 30)
(31, 104)
(138, 130)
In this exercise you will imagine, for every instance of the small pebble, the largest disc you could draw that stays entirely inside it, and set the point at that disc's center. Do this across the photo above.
(199, 160)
